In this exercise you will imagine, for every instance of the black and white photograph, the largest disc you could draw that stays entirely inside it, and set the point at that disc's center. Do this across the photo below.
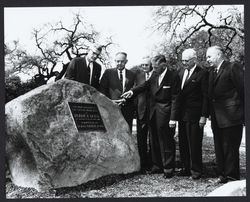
(124, 101)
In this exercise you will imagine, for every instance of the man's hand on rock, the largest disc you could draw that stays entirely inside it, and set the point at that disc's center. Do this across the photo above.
(120, 102)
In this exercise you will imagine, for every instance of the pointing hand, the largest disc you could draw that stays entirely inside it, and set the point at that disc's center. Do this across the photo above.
(127, 94)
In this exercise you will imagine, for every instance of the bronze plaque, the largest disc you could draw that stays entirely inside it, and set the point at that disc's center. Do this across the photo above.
(87, 117)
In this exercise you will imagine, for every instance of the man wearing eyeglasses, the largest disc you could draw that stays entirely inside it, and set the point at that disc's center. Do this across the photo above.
(143, 73)
(85, 69)
(193, 113)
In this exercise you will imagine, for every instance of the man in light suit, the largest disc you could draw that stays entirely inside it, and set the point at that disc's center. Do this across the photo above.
(85, 69)
(143, 73)
(226, 99)
(117, 80)
(163, 88)
(193, 113)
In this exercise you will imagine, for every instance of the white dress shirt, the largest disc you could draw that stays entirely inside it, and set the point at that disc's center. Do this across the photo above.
(148, 75)
(218, 68)
(185, 75)
(162, 76)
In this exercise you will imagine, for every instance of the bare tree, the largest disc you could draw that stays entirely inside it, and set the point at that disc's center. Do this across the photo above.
(54, 43)
(181, 24)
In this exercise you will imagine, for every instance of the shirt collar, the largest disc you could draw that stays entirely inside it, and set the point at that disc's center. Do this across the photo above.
(219, 65)
(87, 61)
(164, 72)
(121, 70)
(192, 69)
(150, 73)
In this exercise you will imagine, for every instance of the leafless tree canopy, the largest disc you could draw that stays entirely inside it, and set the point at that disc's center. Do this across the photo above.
(181, 24)
(53, 42)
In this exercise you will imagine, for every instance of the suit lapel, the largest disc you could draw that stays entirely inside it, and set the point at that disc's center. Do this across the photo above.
(93, 72)
(126, 80)
(211, 82)
(83, 69)
(154, 82)
(192, 77)
(220, 72)
(116, 79)
(165, 78)
(181, 74)
(84, 62)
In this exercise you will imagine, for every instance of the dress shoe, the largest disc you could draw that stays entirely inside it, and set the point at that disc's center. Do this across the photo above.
(168, 175)
(222, 180)
(143, 171)
(184, 173)
(196, 176)
(155, 170)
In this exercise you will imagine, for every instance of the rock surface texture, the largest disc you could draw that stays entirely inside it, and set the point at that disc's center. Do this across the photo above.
(44, 148)
(234, 188)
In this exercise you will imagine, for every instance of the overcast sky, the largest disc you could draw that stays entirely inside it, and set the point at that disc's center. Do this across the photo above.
(125, 24)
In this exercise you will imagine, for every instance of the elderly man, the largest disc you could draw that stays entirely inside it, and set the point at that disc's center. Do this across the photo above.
(85, 69)
(117, 80)
(193, 113)
(226, 99)
(163, 94)
(143, 73)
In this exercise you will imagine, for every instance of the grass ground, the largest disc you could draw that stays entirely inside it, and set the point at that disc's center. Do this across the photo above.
(138, 185)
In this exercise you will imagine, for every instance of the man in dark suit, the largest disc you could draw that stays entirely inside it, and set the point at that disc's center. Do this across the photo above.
(193, 114)
(226, 99)
(117, 80)
(163, 88)
(143, 73)
(85, 69)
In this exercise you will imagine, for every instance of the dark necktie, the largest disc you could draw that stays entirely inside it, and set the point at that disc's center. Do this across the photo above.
(121, 78)
(215, 73)
(88, 72)
(147, 76)
(187, 77)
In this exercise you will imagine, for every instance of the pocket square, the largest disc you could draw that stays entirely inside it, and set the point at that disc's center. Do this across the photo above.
(166, 87)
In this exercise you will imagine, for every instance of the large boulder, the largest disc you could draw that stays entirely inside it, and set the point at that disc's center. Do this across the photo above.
(45, 148)
(234, 188)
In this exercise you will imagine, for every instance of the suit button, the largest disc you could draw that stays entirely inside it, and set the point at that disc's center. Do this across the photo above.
(213, 100)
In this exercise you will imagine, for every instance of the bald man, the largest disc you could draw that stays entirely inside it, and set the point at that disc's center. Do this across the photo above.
(193, 113)
(143, 73)
(226, 102)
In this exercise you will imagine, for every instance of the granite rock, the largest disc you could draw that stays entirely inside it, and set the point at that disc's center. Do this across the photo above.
(45, 150)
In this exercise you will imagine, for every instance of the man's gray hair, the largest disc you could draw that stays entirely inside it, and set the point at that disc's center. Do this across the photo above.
(217, 48)
(190, 51)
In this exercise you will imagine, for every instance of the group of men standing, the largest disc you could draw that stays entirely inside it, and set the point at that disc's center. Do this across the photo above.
(165, 97)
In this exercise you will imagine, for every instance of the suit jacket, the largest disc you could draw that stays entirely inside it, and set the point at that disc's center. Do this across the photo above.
(226, 95)
(163, 98)
(142, 98)
(77, 70)
(194, 95)
(110, 84)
